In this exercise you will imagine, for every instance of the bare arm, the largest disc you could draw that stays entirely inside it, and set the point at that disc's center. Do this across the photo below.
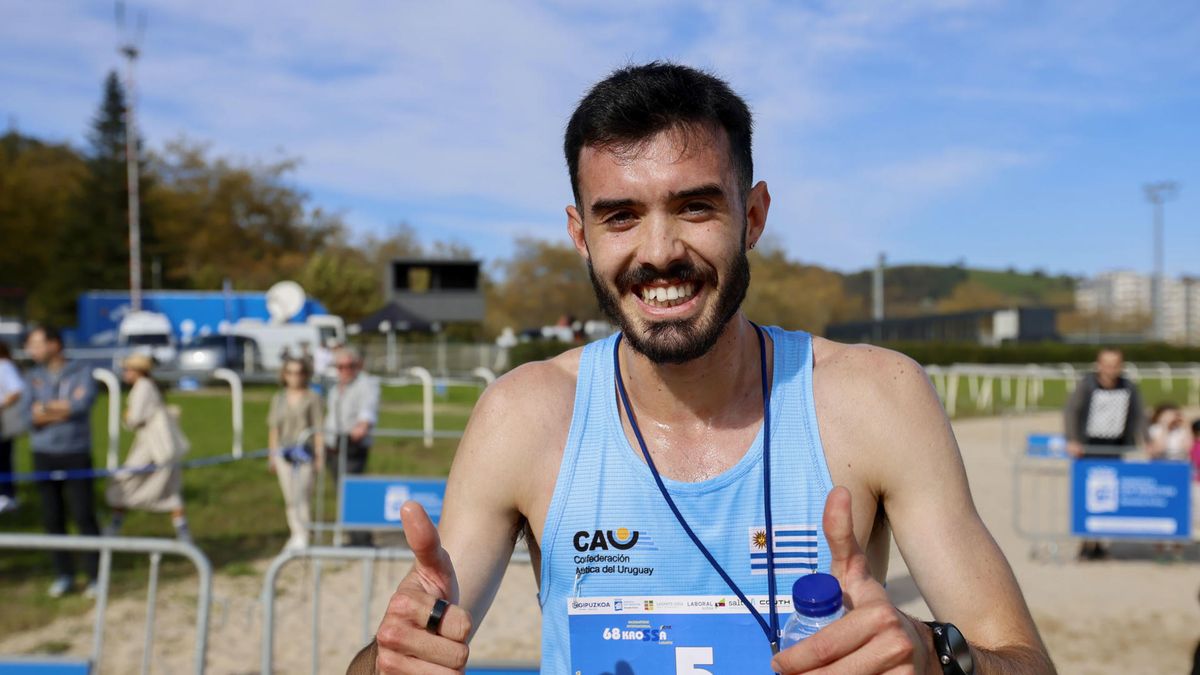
(516, 424)
(888, 442)
(511, 430)
(272, 446)
(962, 574)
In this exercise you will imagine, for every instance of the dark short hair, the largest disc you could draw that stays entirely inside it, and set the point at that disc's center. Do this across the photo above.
(49, 333)
(1196, 427)
(1110, 350)
(636, 102)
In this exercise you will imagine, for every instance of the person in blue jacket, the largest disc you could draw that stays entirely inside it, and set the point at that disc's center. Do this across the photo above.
(61, 394)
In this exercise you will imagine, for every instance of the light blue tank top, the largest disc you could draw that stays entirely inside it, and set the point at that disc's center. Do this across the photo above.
(609, 534)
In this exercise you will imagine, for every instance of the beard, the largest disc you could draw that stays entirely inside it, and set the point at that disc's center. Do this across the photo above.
(675, 341)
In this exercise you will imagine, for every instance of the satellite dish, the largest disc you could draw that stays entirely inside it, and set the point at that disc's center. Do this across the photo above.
(284, 300)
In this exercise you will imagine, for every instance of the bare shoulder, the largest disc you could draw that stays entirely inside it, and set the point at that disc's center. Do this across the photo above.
(876, 409)
(872, 379)
(526, 408)
(546, 386)
(510, 453)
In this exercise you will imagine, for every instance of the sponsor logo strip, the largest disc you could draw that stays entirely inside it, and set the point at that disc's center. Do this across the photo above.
(671, 604)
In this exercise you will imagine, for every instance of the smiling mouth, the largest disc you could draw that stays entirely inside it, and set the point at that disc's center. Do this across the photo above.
(667, 295)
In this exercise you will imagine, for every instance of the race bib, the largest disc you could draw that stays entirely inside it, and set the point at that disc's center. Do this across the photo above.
(660, 635)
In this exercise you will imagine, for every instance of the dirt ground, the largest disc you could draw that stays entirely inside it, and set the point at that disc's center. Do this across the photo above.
(1130, 614)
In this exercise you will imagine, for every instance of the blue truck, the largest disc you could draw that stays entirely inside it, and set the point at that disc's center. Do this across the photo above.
(192, 314)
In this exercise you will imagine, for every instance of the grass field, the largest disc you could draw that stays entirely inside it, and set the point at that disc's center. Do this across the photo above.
(235, 510)
(1054, 395)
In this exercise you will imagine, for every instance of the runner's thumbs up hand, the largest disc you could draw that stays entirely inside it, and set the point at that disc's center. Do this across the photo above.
(409, 641)
(873, 636)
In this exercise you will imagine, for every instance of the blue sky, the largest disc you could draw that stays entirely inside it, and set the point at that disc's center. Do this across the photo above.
(999, 133)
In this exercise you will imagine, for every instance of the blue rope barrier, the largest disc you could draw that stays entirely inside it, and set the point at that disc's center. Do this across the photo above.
(77, 474)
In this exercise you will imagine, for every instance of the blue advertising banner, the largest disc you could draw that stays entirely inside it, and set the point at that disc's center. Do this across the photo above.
(1046, 445)
(1131, 500)
(684, 635)
(375, 501)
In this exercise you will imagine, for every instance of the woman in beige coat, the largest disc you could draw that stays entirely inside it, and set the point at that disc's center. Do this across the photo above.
(297, 449)
(157, 440)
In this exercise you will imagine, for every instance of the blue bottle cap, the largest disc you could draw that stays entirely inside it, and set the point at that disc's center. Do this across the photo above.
(817, 594)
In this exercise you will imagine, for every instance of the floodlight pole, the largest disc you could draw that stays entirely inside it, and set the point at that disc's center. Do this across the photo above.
(131, 162)
(1156, 194)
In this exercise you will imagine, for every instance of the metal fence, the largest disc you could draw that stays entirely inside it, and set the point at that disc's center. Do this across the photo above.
(106, 546)
(368, 557)
(1022, 387)
(439, 358)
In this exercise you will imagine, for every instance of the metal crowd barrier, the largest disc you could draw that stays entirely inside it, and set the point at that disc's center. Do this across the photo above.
(368, 556)
(1042, 504)
(106, 546)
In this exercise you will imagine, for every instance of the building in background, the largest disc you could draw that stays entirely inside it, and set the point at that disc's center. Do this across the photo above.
(436, 291)
(991, 327)
(1121, 294)
(1125, 295)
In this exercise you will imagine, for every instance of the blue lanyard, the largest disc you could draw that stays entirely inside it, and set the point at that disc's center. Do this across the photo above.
(771, 630)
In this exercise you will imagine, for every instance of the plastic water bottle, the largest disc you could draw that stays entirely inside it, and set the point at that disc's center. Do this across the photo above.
(817, 602)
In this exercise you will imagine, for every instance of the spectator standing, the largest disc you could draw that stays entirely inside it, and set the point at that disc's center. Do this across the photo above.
(1103, 416)
(1105, 412)
(352, 414)
(11, 389)
(1168, 437)
(61, 394)
(296, 443)
(157, 440)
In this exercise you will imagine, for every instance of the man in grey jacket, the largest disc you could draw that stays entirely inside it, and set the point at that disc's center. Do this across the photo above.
(1104, 416)
(59, 408)
(353, 412)
(1105, 413)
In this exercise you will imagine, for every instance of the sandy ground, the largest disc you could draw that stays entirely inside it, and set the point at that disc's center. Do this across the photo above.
(1131, 614)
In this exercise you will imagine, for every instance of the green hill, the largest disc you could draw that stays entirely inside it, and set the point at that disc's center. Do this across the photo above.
(919, 289)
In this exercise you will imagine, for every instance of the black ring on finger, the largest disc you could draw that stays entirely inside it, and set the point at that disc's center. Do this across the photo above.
(436, 615)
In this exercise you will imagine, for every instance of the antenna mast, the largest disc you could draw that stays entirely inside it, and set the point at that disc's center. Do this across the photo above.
(129, 49)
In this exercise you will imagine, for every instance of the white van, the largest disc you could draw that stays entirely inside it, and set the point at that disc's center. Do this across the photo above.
(146, 333)
(276, 339)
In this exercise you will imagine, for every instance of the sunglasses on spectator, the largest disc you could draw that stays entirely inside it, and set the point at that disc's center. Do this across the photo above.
(345, 366)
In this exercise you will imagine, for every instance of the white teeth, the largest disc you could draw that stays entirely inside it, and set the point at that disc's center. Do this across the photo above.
(668, 296)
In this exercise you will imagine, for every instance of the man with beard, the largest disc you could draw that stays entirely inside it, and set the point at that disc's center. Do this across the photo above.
(673, 478)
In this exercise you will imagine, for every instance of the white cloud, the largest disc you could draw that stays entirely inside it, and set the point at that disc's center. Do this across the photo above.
(428, 106)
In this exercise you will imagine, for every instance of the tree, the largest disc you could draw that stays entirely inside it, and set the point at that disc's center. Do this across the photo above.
(972, 294)
(793, 295)
(39, 182)
(92, 247)
(541, 282)
(242, 221)
(343, 280)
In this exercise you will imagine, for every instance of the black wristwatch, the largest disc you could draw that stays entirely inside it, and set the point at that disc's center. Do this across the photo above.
(952, 650)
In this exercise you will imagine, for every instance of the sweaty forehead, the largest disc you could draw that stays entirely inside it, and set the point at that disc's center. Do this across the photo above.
(673, 159)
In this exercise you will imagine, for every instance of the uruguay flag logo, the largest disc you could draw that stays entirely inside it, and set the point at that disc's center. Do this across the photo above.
(795, 548)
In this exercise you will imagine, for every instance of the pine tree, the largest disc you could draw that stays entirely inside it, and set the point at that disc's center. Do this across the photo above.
(93, 250)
